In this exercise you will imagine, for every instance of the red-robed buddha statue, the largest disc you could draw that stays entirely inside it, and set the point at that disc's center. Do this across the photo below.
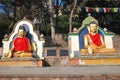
(93, 40)
(21, 45)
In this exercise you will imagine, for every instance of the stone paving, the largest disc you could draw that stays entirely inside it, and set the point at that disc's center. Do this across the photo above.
(58, 71)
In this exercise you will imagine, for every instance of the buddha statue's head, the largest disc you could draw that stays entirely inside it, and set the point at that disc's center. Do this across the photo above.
(93, 27)
(21, 31)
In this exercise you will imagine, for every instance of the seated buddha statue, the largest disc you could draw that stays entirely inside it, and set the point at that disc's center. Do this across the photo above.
(21, 45)
(94, 42)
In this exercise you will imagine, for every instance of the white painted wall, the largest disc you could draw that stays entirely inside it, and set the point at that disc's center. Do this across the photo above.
(73, 44)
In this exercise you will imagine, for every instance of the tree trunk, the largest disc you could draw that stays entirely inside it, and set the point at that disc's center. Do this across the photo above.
(51, 21)
(70, 22)
(56, 26)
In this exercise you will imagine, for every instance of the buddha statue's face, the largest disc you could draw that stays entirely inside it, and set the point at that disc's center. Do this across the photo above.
(21, 33)
(93, 28)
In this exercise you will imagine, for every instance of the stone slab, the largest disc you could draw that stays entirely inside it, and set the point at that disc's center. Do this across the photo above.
(51, 53)
(64, 52)
(61, 72)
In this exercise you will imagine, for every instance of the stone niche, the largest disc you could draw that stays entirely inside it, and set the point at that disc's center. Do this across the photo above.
(76, 44)
(34, 38)
(76, 39)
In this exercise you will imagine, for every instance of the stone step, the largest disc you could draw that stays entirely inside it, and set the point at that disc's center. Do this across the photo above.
(21, 62)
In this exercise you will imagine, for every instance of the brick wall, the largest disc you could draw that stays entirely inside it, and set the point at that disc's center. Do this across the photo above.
(57, 57)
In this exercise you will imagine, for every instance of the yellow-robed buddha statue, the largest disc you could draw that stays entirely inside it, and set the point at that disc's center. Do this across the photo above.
(94, 42)
(21, 45)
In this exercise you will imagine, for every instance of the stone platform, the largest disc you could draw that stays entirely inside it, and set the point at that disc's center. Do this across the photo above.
(21, 62)
(97, 59)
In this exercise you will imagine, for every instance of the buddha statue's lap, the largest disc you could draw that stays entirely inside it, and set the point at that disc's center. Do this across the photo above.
(17, 54)
(21, 45)
(22, 54)
(94, 42)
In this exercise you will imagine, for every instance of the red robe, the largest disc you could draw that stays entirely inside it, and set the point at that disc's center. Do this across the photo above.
(21, 44)
(96, 39)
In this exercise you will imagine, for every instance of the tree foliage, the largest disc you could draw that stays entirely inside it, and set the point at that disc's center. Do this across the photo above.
(40, 9)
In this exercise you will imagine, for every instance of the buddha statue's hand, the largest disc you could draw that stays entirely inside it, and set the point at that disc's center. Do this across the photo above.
(9, 55)
(93, 46)
(90, 51)
(21, 54)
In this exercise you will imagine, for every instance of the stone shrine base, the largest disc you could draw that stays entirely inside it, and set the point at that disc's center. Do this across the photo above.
(21, 62)
(96, 59)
